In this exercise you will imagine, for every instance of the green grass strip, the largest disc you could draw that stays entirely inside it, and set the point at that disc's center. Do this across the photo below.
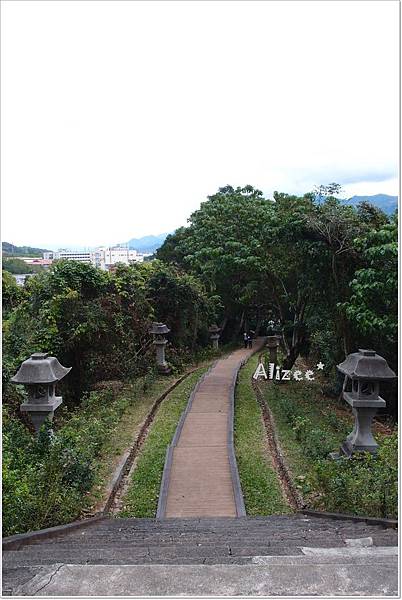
(301, 403)
(141, 499)
(260, 485)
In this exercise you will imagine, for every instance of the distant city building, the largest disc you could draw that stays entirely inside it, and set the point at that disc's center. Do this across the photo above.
(42, 262)
(112, 256)
(77, 255)
(103, 257)
(20, 278)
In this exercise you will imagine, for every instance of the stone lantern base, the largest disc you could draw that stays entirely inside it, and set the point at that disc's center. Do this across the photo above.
(164, 369)
(215, 341)
(38, 413)
(161, 363)
(360, 439)
(272, 344)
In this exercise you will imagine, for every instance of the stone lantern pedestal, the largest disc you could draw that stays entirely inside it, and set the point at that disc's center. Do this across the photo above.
(159, 330)
(39, 374)
(214, 331)
(273, 344)
(363, 370)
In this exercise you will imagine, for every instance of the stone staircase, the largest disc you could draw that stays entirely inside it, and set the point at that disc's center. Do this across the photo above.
(136, 551)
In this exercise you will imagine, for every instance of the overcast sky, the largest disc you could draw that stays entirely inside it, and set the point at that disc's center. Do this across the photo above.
(119, 118)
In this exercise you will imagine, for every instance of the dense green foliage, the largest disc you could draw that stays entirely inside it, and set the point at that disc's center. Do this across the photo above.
(373, 305)
(313, 264)
(365, 485)
(11, 292)
(98, 322)
(18, 266)
(311, 426)
(45, 480)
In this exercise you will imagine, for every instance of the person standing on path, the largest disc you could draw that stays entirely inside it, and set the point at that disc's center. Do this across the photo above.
(245, 336)
(249, 341)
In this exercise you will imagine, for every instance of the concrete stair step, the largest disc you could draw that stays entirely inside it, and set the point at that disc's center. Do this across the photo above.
(368, 575)
(195, 540)
(111, 556)
(185, 544)
(224, 541)
(229, 531)
(273, 520)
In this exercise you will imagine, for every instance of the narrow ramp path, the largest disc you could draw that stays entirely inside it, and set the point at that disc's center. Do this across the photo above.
(200, 477)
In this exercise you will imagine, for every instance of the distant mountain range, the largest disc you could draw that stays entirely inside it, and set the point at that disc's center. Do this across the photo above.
(9, 250)
(148, 243)
(386, 203)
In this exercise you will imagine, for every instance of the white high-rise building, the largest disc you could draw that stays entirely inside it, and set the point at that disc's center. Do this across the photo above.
(112, 256)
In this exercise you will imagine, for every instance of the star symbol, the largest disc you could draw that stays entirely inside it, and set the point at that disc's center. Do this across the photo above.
(320, 366)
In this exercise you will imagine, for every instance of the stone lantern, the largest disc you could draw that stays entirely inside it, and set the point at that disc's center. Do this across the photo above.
(40, 374)
(159, 330)
(273, 344)
(363, 370)
(214, 331)
(271, 326)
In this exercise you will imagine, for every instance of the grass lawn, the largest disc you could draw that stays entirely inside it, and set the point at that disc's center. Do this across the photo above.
(260, 485)
(141, 499)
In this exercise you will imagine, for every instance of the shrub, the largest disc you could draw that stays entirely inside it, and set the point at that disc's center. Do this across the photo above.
(45, 479)
(316, 442)
(98, 322)
(288, 407)
(364, 484)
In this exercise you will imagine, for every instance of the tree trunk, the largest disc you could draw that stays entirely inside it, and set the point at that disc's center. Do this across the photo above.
(291, 356)
(224, 323)
(195, 331)
(239, 328)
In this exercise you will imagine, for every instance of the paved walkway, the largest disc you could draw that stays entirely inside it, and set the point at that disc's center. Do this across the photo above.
(202, 478)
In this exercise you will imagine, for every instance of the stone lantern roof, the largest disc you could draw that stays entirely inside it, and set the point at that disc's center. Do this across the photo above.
(214, 328)
(159, 329)
(366, 364)
(40, 368)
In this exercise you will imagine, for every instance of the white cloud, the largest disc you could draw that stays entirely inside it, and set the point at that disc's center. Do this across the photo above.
(119, 118)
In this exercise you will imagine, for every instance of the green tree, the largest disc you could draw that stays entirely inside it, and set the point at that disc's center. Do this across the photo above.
(11, 292)
(180, 300)
(373, 305)
(91, 320)
(19, 267)
(222, 246)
